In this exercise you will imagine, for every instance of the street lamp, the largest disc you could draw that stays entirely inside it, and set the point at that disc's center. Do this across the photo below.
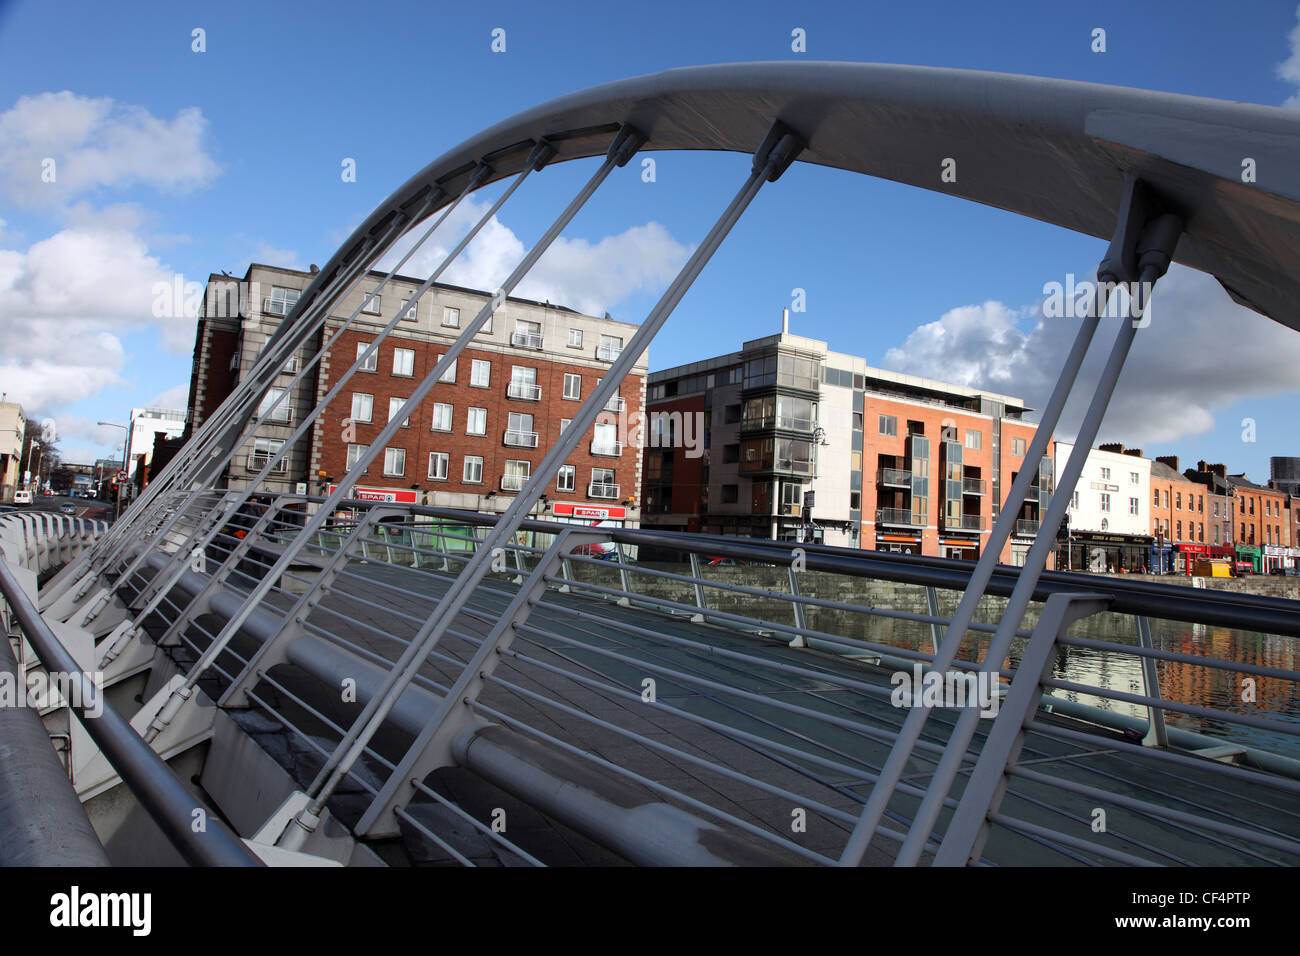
(34, 447)
(126, 435)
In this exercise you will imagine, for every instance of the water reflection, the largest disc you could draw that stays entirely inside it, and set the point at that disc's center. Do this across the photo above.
(1189, 683)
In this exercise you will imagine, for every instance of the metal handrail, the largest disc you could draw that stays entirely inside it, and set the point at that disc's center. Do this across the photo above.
(152, 782)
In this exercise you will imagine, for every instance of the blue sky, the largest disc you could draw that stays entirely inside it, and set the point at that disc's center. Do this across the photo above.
(176, 162)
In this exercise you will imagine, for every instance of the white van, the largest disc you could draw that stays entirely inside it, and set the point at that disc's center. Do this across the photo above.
(22, 497)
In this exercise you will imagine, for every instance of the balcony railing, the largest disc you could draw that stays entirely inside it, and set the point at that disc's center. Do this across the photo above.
(896, 477)
(525, 391)
(277, 306)
(257, 461)
(964, 523)
(972, 486)
(607, 353)
(780, 421)
(513, 482)
(526, 340)
(898, 516)
(1027, 525)
(521, 439)
(602, 489)
(615, 404)
(610, 449)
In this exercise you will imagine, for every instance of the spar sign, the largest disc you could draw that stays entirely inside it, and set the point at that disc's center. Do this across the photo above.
(391, 495)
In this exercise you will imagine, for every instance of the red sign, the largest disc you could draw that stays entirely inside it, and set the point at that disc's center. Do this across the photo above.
(589, 511)
(394, 495)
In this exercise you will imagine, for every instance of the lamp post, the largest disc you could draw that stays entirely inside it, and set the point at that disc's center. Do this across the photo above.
(34, 447)
(126, 436)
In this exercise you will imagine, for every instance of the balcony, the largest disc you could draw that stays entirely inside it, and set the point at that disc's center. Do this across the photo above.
(898, 516)
(524, 391)
(513, 482)
(520, 439)
(896, 477)
(257, 461)
(526, 340)
(807, 425)
(608, 449)
(607, 353)
(615, 404)
(973, 486)
(1028, 526)
(602, 489)
(964, 523)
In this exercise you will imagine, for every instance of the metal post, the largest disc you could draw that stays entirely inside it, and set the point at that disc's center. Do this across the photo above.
(1157, 734)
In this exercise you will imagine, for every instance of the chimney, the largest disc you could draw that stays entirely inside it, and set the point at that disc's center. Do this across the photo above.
(785, 321)
(1170, 460)
(1114, 446)
(1220, 470)
(1135, 452)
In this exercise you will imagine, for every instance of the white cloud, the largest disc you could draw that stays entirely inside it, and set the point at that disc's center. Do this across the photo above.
(65, 302)
(1289, 69)
(97, 143)
(1174, 381)
(177, 396)
(591, 277)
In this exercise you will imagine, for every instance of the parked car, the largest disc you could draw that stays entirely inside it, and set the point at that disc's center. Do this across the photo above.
(67, 507)
(726, 563)
(1285, 572)
(22, 497)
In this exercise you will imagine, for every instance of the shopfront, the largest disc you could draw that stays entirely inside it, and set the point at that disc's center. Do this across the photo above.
(1274, 556)
(907, 544)
(1187, 555)
(1160, 559)
(1248, 559)
(1103, 553)
(965, 548)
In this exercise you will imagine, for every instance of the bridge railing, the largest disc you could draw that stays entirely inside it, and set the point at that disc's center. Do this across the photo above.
(589, 609)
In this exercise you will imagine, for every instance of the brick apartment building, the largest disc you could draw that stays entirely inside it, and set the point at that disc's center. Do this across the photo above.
(477, 435)
(1261, 522)
(1187, 519)
(799, 442)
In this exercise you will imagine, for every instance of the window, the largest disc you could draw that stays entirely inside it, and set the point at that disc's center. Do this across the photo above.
(1132, 477)
(448, 376)
(394, 406)
(1105, 501)
(611, 347)
(450, 317)
(1132, 506)
(354, 454)
(575, 342)
(731, 414)
(1105, 474)
(362, 407)
(442, 417)
(527, 335)
(730, 494)
(264, 449)
(516, 475)
(1178, 499)
(1166, 493)
(523, 384)
(438, 463)
(411, 314)
(371, 306)
(1156, 500)
(602, 483)
(1017, 446)
(487, 326)
(476, 421)
(572, 386)
(888, 425)
(278, 414)
(371, 363)
(473, 473)
(605, 440)
(404, 362)
(1179, 526)
(731, 454)
(567, 477)
(395, 462)
(1074, 500)
(974, 439)
(565, 423)
(480, 373)
(1200, 504)
(281, 301)
(519, 430)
